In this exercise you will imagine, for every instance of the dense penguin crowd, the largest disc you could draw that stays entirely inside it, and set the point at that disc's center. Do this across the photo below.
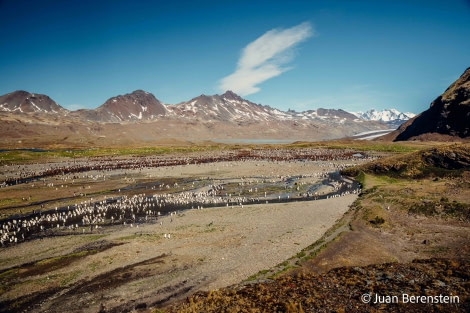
(130, 211)
(19, 174)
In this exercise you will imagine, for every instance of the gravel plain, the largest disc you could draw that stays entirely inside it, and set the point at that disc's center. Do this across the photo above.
(210, 248)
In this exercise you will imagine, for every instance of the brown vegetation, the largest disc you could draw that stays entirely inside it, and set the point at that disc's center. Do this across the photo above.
(341, 289)
(439, 161)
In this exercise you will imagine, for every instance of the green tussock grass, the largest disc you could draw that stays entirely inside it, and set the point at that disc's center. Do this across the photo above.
(441, 161)
(26, 156)
(362, 145)
(140, 236)
(51, 262)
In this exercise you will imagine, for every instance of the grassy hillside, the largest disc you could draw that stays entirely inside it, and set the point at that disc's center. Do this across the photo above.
(441, 161)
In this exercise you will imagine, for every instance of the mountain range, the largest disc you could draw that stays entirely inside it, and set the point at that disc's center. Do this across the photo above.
(140, 117)
(141, 106)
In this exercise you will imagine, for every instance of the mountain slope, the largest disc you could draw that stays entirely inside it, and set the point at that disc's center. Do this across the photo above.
(24, 102)
(136, 106)
(447, 117)
(227, 107)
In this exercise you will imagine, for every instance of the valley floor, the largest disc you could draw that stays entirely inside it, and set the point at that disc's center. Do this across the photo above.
(290, 252)
(153, 264)
(208, 249)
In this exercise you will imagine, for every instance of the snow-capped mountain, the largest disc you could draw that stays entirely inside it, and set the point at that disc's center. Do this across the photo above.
(227, 107)
(143, 106)
(140, 116)
(391, 117)
(232, 108)
(136, 106)
(25, 102)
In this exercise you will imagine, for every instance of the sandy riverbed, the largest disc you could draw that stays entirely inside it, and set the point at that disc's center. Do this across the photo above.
(208, 249)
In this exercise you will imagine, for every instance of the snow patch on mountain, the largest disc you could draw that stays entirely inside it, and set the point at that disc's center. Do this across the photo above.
(392, 117)
(385, 115)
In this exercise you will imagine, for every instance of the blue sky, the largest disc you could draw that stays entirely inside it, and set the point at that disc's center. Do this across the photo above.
(300, 55)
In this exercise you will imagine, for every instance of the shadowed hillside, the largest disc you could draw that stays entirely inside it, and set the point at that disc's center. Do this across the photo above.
(447, 119)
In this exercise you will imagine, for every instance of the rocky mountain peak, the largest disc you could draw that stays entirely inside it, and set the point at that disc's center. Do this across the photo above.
(230, 95)
(140, 97)
(138, 105)
(25, 102)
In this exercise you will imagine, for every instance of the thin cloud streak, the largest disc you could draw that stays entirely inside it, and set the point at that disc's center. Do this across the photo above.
(265, 58)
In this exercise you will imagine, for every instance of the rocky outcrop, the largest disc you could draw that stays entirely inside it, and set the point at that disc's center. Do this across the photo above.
(448, 116)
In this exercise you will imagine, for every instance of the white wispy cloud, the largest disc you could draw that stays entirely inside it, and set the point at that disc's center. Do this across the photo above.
(265, 58)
